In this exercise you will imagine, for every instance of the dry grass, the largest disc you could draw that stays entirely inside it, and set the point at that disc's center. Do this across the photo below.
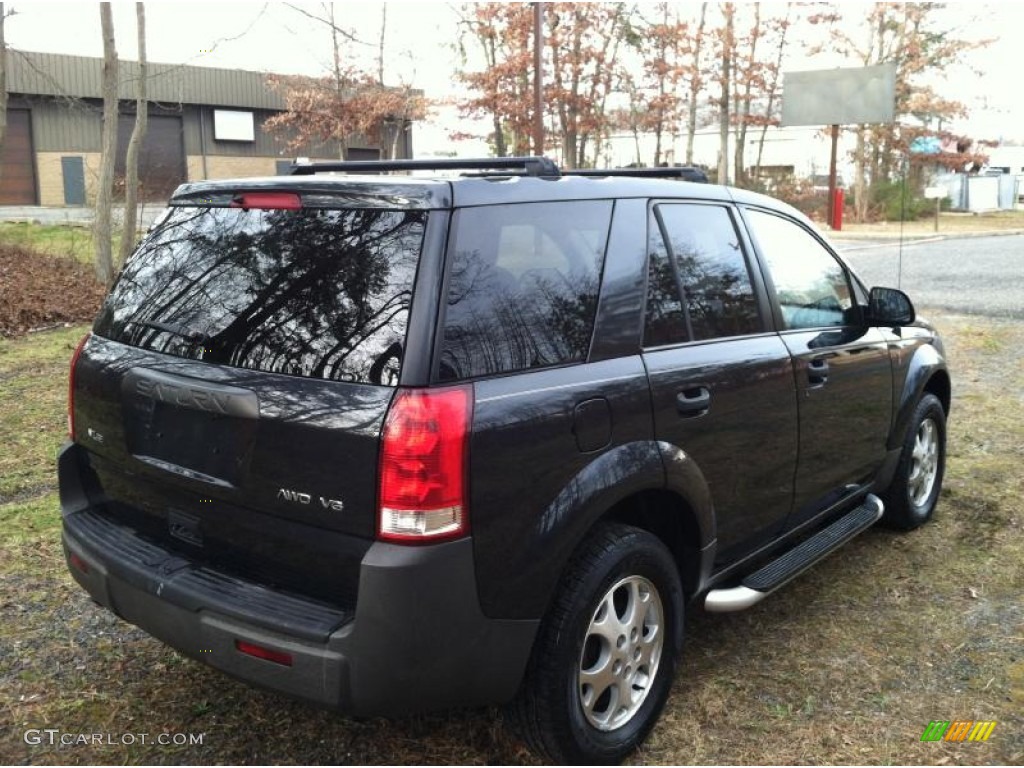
(74, 242)
(848, 664)
(949, 224)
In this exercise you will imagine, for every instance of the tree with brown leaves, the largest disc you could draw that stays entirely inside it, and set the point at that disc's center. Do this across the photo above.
(921, 42)
(346, 103)
(582, 68)
(583, 43)
(502, 91)
(667, 48)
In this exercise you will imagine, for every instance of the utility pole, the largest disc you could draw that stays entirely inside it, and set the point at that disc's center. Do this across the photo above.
(538, 102)
(832, 176)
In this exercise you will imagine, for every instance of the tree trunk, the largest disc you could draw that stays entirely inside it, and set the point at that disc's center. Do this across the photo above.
(339, 83)
(499, 137)
(695, 85)
(396, 137)
(723, 116)
(659, 127)
(131, 171)
(491, 57)
(776, 71)
(104, 195)
(740, 162)
(380, 42)
(3, 82)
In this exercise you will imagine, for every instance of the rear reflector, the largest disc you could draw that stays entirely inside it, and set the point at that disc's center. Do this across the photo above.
(267, 654)
(71, 385)
(277, 201)
(424, 454)
(78, 562)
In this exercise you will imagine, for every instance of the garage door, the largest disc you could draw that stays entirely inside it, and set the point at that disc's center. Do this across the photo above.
(161, 161)
(17, 170)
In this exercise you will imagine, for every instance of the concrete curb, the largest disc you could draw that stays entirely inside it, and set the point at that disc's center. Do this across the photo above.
(74, 216)
(843, 235)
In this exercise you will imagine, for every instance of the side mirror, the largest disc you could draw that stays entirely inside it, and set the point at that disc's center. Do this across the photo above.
(889, 306)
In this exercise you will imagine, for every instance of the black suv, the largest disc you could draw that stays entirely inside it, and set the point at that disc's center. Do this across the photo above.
(391, 443)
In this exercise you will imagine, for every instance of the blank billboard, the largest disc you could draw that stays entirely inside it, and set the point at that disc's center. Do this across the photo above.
(839, 96)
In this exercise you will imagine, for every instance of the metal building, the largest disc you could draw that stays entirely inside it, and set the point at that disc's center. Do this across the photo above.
(204, 123)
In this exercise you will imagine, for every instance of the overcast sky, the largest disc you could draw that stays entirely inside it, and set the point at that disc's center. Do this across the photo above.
(421, 48)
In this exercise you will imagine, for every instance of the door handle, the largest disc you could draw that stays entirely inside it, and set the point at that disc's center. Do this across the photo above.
(693, 402)
(817, 372)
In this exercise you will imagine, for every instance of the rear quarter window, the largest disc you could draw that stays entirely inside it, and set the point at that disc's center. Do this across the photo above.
(523, 283)
(321, 293)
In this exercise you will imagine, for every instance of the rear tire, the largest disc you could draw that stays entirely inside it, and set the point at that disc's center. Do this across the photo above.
(911, 498)
(606, 654)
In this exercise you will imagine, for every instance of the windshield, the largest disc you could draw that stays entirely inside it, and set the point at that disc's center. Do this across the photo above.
(313, 292)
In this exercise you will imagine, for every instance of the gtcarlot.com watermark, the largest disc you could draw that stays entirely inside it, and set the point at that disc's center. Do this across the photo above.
(55, 737)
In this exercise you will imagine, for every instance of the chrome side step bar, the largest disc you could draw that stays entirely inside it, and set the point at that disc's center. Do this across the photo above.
(758, 585)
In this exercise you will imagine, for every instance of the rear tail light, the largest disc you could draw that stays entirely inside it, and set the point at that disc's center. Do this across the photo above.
(424, 456)
(71, 385)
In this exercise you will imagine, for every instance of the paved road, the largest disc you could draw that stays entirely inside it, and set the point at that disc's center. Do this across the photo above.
(978, 275)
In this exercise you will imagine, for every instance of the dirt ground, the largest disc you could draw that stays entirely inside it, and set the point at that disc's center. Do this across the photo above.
(40, 291)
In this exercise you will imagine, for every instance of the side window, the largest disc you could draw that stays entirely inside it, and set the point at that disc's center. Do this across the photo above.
(522, 286)
(812, 287)
(665, 321)
(704, 261)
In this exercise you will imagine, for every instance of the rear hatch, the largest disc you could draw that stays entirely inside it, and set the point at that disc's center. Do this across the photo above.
(232, 395)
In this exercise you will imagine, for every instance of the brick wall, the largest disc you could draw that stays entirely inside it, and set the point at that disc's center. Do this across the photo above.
(225, 167)
(51, 176)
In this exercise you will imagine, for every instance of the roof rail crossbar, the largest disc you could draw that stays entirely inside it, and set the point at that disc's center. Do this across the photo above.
(531, 166)
(686, 172)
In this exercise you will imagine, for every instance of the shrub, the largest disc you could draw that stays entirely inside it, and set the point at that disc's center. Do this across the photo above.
(888, 202)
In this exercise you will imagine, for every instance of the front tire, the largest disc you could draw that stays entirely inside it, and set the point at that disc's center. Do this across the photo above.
(607, 651)
(911, 498)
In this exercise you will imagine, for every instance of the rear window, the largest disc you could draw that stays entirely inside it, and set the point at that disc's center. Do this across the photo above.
(522, 286)
(314, 292)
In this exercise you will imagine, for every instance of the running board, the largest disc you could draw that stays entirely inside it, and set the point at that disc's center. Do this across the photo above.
(758, 585)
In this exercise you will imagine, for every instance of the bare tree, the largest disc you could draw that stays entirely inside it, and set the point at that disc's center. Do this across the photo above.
(3, 81)
(131, 181)
(774, 79)
(104, 195)
(748, 81)
(695, 84)
(728, 11)
(380, 42)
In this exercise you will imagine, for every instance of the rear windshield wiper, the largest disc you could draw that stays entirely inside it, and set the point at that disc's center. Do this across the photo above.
(194, 337)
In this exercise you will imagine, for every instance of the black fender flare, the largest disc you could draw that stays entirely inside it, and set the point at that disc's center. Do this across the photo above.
(615, 475)
(684, 477)
(925, 363)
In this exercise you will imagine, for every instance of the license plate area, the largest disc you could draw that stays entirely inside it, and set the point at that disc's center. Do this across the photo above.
(201, 430)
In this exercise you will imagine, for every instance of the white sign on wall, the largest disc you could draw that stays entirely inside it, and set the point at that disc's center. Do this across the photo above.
(233, 125)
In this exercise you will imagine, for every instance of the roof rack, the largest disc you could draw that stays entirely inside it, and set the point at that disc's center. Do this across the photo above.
(529, 166)
(487, 166)
(686, 172)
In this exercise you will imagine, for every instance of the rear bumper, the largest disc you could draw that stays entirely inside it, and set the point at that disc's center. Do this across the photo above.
(417, 639)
